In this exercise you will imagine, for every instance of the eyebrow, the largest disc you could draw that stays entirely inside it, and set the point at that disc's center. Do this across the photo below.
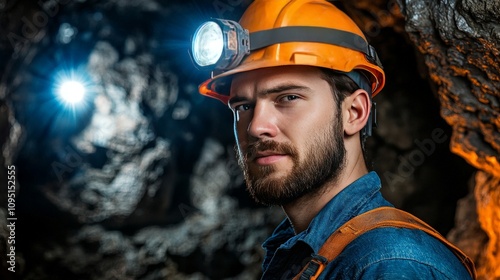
(276, 89)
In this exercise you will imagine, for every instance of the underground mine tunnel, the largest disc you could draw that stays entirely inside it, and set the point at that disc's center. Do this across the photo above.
(136, 176)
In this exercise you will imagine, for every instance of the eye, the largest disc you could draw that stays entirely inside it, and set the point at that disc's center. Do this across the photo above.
(242, 107)
(287, 98)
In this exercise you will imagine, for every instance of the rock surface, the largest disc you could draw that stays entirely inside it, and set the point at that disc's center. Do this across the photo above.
(460, 41)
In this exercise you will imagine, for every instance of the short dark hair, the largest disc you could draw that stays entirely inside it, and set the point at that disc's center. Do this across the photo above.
(341, 85)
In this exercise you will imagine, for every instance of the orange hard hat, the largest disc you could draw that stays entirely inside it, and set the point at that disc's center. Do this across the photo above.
(301, 32)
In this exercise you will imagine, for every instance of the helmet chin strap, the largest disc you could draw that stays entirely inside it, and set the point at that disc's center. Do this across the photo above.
(371, 123)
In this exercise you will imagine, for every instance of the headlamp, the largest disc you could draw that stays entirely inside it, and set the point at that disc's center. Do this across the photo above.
(220, 44)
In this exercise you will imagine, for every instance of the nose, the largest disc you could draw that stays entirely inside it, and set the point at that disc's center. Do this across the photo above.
(264, 122)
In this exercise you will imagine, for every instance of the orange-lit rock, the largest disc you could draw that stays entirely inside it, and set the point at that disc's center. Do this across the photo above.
(487, 194)
(461, 50)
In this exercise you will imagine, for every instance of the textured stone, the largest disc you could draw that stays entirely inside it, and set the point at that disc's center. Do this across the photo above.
(461, 46)
(462, 54)
(467, 233)
(488, 204)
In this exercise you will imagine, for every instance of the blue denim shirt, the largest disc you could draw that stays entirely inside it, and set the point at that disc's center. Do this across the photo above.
(382, 253)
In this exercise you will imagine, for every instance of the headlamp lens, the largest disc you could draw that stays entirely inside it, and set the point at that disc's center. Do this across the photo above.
(208, 44)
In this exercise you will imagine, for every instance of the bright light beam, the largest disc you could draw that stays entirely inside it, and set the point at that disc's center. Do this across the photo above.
(208, 44)
(71, 91)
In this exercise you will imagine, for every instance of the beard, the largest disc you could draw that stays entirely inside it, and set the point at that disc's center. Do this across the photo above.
(323, 162)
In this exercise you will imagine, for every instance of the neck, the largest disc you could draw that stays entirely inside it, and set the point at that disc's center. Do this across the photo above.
(301, 211)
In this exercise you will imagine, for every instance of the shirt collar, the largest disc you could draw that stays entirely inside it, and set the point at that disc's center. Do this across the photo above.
(341, 208)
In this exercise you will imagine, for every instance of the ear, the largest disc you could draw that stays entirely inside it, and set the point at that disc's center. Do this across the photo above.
(356, 111)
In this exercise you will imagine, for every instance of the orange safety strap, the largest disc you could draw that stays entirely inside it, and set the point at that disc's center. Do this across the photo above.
(376, 218)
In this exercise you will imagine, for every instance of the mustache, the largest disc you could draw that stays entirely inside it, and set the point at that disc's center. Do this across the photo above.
(268, 145)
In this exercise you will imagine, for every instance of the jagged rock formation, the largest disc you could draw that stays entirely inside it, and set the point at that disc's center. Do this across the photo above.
(142, 183)
(460, 41)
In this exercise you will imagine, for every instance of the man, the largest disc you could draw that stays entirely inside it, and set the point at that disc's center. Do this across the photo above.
(301, 96)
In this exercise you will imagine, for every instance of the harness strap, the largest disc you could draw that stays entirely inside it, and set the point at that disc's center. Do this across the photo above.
(376, 218)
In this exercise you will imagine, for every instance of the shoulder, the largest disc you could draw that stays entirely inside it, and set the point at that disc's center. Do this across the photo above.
(394, 253)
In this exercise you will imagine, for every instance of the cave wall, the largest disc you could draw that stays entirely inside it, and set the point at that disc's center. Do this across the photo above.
(460, 41)
(141, 183)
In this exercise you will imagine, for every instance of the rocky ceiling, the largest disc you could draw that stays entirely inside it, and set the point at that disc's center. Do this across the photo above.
(140, 181)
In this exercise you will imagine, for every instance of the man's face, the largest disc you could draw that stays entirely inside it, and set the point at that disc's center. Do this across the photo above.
(289, 132)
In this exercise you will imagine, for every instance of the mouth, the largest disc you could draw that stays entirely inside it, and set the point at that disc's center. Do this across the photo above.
(268, 157)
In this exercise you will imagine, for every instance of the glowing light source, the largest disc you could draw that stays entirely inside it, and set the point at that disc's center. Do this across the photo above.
(220, 44)
(208, 44)
(71, 91)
